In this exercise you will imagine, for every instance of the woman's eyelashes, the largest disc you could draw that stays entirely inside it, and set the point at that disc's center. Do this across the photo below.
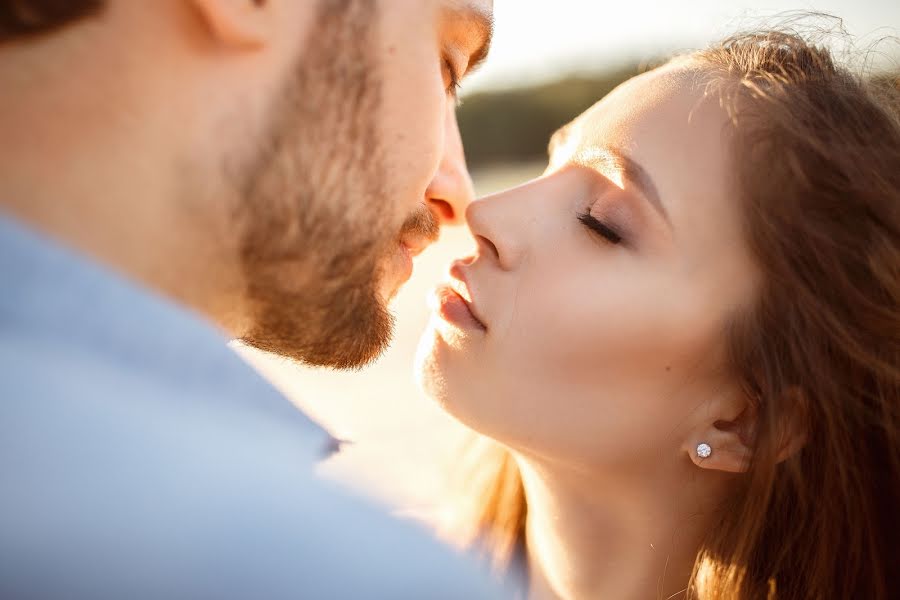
(600, 228)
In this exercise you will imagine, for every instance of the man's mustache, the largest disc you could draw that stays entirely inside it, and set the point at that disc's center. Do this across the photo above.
(422, 225)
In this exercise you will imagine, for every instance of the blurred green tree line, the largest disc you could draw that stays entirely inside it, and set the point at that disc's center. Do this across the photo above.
(514, 125)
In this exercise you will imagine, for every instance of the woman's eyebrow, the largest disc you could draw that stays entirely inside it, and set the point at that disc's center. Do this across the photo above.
(606, 159)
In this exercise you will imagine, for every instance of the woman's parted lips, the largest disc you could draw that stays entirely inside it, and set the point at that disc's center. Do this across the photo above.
(460, 284)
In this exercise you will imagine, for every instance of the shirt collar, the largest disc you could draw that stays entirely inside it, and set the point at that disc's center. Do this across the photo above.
(53, 293)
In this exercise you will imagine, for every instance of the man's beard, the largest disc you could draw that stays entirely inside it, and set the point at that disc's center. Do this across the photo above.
(318, 227)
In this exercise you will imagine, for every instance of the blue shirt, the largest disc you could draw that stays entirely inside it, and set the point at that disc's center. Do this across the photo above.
(141, 458)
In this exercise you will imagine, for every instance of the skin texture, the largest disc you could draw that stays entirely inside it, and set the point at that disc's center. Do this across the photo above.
(272, 165)
(602, 363)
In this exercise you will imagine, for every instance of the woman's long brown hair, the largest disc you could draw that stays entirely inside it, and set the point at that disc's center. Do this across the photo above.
(817, 155)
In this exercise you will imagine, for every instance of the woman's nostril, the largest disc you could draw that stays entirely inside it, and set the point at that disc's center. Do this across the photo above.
(486, 246)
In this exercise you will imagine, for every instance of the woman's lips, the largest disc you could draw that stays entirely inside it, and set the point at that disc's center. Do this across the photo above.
(454, 300)
(453, 308)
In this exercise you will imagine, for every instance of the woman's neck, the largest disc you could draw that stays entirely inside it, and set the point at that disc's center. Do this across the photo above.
(593, 538)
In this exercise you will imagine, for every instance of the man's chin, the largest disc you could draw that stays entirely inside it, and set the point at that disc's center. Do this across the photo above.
(352, 338)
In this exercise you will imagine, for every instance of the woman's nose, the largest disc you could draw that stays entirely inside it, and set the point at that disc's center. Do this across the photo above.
(450, 191)
(497, 226)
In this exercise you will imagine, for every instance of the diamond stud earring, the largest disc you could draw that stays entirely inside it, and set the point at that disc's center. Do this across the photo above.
(704, 450)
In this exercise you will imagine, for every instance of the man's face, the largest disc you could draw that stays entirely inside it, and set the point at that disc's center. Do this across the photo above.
(358, 162)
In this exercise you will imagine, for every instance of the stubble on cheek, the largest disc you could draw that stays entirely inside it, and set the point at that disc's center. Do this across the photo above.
(313, 241)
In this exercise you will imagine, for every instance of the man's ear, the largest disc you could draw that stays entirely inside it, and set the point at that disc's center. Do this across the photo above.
(731, 427)
(237, 23)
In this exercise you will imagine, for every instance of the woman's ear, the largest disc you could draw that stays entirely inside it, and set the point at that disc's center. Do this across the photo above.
(724, 444)
(236, 23)
(724, 441)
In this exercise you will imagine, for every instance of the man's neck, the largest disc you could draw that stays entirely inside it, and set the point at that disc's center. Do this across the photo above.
(99, 177)
(89, 199)
(590, 537)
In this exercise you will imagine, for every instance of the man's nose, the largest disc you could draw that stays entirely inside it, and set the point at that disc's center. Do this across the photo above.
(450, 192)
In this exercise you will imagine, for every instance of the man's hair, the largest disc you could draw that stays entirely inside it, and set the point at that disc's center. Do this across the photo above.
(26, 18)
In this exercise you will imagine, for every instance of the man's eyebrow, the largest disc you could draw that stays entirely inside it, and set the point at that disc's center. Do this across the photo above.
(480, 26)
(608, 158)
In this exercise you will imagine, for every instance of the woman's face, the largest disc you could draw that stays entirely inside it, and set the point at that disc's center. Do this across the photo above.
(604, 287)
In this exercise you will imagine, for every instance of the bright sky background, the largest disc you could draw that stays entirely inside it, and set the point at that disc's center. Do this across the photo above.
(543, 39)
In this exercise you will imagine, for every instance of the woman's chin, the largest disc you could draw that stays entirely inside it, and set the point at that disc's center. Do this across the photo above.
(439, 365)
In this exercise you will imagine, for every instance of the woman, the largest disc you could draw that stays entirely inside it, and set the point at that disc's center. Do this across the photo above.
(686, 338)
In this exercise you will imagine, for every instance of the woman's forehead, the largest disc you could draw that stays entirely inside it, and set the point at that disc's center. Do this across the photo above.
(662, 118)
(669, 89)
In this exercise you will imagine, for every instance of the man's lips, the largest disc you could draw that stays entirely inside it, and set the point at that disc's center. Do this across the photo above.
(419, 231)
(400, 269)
(414, 245)
(409, 247)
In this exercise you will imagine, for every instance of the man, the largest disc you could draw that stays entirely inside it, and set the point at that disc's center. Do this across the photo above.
(178, 171)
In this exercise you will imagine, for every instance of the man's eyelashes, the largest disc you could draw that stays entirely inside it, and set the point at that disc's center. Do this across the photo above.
(453, 80)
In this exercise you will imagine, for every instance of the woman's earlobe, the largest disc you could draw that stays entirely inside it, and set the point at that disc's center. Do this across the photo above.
(236, 23)
(723, 438)
(721, 454)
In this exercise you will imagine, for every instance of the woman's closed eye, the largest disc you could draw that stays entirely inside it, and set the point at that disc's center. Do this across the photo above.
(598, 227)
